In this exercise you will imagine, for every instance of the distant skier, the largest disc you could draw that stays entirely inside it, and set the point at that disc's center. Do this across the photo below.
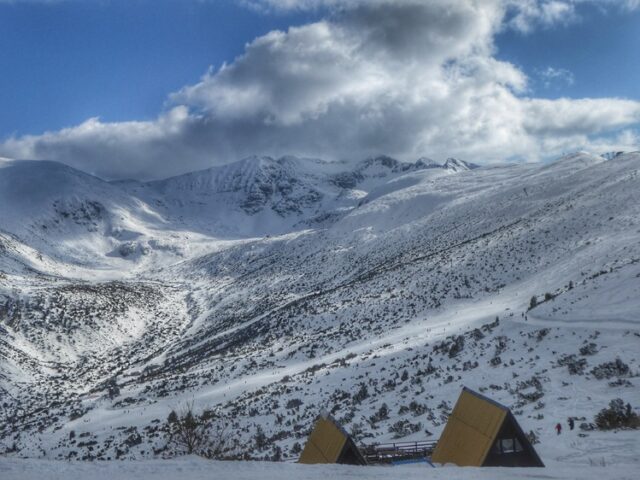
(558, 428)
(571, 423)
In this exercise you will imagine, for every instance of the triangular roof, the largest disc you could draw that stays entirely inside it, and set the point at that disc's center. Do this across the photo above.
(474, 430)
(330, 443)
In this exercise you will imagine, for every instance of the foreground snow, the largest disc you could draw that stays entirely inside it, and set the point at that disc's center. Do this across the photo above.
(195, 469)
(602, 456)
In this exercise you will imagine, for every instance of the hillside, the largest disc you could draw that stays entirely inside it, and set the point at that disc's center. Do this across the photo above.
(272, 288)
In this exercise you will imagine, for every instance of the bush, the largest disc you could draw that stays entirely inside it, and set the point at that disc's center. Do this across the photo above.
(589, 349)
(380, 415)
(417, 408)
(402, 428)
(576, 366)
(294, 404)
(618, 415)
(608, 370)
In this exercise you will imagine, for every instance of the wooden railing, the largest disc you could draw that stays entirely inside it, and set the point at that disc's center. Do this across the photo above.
(390, 452)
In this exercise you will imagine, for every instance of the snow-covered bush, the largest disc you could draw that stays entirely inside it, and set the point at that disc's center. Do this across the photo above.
(402, 428)
(576, 366)
(381, 414)
(618, 415)
(616, 368)
(589, 349)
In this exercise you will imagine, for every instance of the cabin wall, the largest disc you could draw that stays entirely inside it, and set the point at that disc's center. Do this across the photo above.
(518, 451)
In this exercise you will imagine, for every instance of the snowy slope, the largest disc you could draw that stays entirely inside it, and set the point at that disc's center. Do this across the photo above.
(73, 217)
(275, 287)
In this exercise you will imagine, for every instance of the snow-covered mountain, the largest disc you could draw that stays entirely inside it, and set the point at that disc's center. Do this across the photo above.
(275, 287)
(263, 195)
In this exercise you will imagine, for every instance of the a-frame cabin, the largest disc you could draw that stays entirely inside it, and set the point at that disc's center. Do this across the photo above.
(330, 443)
(483, 433)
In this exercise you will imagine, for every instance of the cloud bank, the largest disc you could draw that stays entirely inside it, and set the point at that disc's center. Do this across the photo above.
(406, 77)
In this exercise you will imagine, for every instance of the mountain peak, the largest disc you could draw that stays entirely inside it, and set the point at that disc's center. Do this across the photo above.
(382, 160)
(426, 162)
(458, 165)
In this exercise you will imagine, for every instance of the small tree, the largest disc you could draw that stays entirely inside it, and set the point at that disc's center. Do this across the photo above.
(186, 431)
(201, 434)
(113, 390)
(533, 303)
(381, 414)
(361, 394)
(356, 431)
(260, 438)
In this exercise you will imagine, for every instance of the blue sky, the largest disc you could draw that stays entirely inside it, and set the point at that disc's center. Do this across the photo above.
(140, 67)
(600, 50)
(64, 62)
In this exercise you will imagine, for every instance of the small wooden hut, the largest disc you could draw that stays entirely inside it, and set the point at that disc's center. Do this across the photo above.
(483, 433)
(330, 443)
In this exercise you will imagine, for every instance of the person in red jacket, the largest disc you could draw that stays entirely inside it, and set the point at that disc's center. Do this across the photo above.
(558, 428)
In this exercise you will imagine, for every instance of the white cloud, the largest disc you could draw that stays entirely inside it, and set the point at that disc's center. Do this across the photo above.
(551, 76)
(116, 150)
(404, 77)
(526, 15)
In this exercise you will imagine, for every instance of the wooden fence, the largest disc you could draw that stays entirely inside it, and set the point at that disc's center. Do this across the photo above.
(397, 451)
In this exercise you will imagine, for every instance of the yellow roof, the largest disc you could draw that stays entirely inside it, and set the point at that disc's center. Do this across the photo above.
(324, 444)
(470, 432)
